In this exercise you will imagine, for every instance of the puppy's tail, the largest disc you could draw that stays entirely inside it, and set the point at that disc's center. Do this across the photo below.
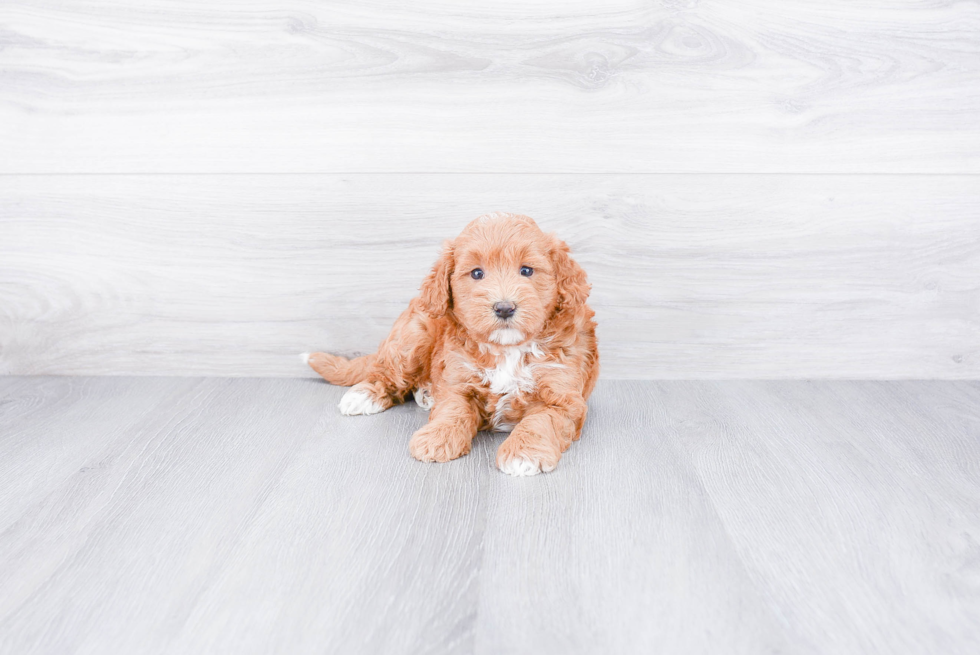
(340, 370)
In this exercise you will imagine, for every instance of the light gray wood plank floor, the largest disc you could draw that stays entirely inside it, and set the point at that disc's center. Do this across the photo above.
(180, 515)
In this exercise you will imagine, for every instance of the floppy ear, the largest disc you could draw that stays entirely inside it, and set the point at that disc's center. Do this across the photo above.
(573, 286)
(437, 296)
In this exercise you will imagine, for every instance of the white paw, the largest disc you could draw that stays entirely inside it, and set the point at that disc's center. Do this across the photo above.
(520, 466)
(357, 401)
(305, 358)
(424, 398)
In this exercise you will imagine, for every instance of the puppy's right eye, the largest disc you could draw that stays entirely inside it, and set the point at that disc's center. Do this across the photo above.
(477, 274)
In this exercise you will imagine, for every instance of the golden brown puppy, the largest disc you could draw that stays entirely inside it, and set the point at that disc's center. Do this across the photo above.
(500, 338)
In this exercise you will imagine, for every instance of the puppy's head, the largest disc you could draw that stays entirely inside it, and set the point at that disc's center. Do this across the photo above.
(502, 279)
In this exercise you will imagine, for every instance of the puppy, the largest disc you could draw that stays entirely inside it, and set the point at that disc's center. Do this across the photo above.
(500, 338)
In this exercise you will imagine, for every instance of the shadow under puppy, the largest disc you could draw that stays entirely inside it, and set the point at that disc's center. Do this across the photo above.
(500, 338)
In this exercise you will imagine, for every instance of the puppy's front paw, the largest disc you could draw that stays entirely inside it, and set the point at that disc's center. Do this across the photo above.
(362, 399)
(439, 443)
(524, 453)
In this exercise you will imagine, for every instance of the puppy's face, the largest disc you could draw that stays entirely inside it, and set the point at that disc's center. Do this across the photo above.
(503, 282)
(503, 278)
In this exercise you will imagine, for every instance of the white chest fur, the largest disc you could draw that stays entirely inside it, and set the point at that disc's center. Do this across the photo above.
(513, 375)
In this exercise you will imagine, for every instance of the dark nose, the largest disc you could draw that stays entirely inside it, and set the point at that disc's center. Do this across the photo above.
(504, 309)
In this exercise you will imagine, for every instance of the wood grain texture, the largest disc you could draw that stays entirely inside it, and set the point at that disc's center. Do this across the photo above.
(822, 484)
(194, 515)
(621, 552)
(727, 276)
(175, 86)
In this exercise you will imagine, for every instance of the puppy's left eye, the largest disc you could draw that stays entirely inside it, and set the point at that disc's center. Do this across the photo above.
(527, 271)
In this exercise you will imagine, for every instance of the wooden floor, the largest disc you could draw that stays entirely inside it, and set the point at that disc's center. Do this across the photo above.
(179, 515)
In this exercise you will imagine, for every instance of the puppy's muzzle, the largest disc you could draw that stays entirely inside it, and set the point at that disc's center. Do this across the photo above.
(504, 310)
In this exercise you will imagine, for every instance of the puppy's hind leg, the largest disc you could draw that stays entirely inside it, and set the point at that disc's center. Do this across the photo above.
(387, 376)
(365, 396)
(423, 397)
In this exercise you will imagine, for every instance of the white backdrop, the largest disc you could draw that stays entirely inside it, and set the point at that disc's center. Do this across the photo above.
(757, 189)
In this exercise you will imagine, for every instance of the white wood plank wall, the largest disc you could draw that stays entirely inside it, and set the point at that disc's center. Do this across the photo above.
(757, 189)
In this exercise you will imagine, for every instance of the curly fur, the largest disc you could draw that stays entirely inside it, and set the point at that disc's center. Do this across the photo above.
(530, 374)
